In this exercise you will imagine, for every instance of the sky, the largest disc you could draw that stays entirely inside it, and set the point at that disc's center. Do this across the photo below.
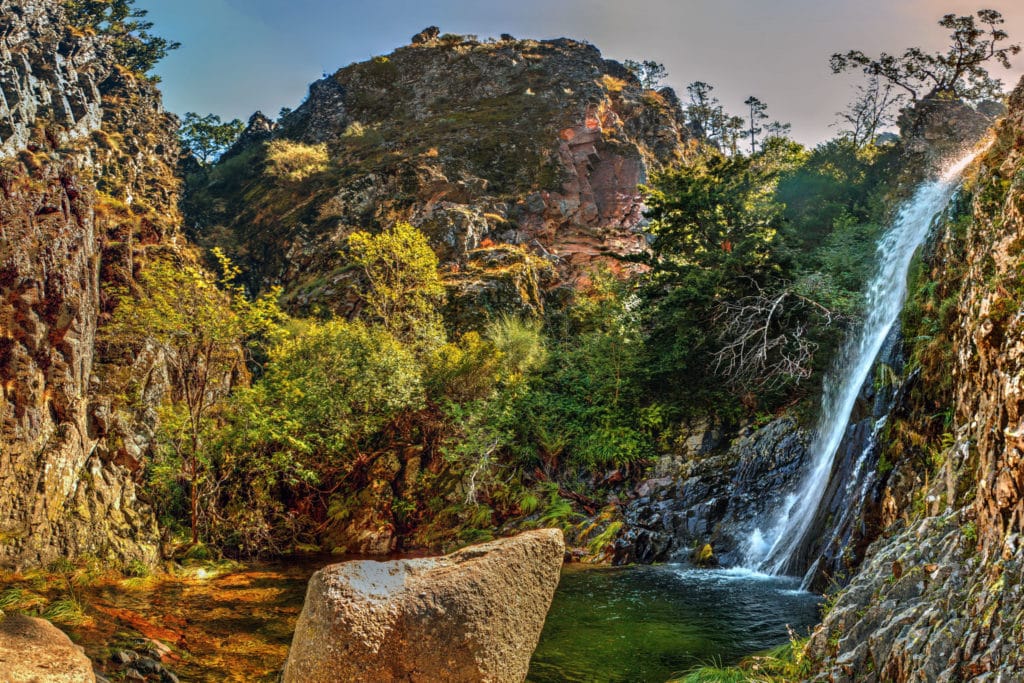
(239, 56)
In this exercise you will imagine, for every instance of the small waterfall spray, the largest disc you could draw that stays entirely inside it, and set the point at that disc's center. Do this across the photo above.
(775, 549)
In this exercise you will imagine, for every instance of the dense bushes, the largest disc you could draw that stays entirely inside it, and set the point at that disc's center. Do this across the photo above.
(382, 414)
(387, 421)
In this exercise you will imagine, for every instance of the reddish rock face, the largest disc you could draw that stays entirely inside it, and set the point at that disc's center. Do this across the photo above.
(598, 209)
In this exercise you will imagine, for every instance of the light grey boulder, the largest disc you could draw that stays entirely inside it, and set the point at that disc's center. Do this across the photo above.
(474, 615)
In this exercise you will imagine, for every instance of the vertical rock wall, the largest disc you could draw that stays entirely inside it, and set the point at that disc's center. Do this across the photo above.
(86, 186)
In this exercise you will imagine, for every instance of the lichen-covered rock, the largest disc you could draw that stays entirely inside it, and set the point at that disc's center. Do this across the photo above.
(40, 82)
(35, 651)
(474, 615)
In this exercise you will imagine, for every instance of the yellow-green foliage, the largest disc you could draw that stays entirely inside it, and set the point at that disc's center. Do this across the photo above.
(613, 84)
(295, 161)
(601, 544)
(402, 286)
(705, 555)
(355, 130)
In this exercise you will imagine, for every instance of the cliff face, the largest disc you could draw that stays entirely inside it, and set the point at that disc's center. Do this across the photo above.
(44, 76)
(939, 597)
(86, 179)
(538, 145)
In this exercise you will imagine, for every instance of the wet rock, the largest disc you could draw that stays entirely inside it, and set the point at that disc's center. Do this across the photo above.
(34, 650)
(718, 498)
(703, 438)
(474, 615)
(146, 665)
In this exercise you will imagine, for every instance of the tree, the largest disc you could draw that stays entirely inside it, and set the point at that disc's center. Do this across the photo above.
(959, 73)
(872, 109)
(777, 129)
(766, 338)
(702, 107)
(715, 225)
(333, 400)
(649, 72)
(707, 117)
(730, 130)
(758, 114)
(134, 46)
(400, 284)
(584, 410)
(712, 215)
(207, 137)
(180, 311)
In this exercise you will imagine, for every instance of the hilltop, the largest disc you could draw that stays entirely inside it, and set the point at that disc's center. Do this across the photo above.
(520, 159)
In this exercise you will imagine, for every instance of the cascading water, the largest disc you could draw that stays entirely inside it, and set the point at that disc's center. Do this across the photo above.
(776, 548)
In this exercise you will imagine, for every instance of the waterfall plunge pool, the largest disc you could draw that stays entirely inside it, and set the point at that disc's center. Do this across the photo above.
(648, 623)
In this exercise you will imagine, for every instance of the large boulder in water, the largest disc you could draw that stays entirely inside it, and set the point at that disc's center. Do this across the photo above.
(34, 650)
(474, 615)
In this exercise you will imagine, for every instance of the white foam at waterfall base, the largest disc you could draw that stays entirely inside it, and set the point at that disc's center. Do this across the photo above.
(771, 551)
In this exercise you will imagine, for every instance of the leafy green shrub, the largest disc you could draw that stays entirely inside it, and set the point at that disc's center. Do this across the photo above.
(318, 416)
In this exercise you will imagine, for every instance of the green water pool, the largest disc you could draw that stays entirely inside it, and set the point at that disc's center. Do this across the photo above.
(637, 624)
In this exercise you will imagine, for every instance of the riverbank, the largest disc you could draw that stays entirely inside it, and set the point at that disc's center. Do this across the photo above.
(204, 621)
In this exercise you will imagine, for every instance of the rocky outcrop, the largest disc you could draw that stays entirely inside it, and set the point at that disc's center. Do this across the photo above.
(34, 650)
(938, 598)
(939, 128)
(717, 497)
(82, 201)
(536, 145)
(474, 615)
(46, 78)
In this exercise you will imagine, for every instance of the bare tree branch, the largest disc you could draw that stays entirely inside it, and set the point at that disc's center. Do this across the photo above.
(765, 344)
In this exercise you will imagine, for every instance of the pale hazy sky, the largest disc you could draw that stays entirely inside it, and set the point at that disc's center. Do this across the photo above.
(238, 56)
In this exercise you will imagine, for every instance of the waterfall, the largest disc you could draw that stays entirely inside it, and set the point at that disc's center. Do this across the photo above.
(776, 548)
